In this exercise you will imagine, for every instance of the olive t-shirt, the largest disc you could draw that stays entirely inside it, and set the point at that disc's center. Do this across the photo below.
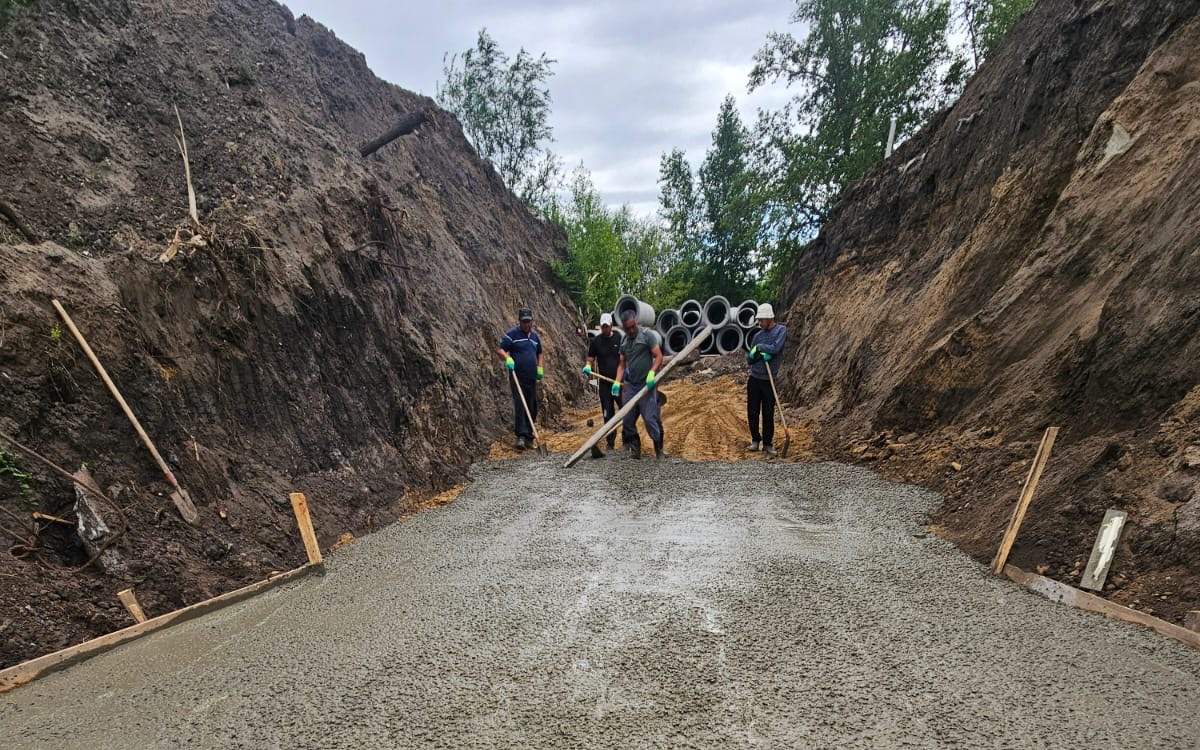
(638, 358)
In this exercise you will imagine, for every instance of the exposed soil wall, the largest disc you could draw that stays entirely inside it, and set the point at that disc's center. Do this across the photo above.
(1031, 258)
(333, 333)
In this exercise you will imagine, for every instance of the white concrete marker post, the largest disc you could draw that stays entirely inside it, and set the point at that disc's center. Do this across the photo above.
(1103, 550)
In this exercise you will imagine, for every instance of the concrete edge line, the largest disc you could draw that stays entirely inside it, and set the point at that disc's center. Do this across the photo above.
(28, 671)
(1080, 599)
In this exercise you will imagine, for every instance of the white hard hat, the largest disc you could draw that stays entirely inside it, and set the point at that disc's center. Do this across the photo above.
(606, 319)
(765, 311)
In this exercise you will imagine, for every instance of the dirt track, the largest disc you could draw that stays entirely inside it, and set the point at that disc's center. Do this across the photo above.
(631, 605)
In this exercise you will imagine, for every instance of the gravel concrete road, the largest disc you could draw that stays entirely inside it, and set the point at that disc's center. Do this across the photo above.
(628, 605)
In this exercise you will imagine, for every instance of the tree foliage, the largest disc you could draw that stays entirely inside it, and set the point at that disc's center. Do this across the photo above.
(610, 251)
(861, 63)
(988, 23)
(729, 256)
(503, 104)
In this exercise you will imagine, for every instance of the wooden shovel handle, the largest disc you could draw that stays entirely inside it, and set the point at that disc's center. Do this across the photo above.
(528, 416)
(775, 393)
(112, 388)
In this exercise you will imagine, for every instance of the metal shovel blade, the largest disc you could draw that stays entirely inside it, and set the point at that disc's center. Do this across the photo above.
(185, 506)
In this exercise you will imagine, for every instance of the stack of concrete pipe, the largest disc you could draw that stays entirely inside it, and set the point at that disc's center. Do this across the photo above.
(736, 325)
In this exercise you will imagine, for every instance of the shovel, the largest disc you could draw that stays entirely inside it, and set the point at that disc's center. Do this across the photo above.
(541, 449)
(179, 496)
(787, 436)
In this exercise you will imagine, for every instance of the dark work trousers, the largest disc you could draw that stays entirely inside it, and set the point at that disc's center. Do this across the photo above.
(759, 398)
(608, 407)
(521, 425)
(647, 409)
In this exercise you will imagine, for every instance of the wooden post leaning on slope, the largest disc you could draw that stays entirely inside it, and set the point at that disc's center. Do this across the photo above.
(1018, 515)
(304, 521)
(130, 601)
(406, 125)
(696, 341)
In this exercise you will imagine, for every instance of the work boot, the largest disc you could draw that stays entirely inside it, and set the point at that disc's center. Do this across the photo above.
(596, 452)
(635, 450)
(770, 451)
(755, 445)
(658, 450)
(520, 443)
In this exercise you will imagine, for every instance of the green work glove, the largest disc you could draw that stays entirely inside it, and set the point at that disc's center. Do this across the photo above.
(541, 373)
(752, 355)
(615, 390)
(587, 370)
(651, 380)
(764, 356)
(508, 362)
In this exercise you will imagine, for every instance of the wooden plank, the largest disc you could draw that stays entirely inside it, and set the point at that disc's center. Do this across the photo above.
(698, 339)
(1069, 595)
(1103, 550)
(129, 599)
(304, 521)
(1031, 483)
(28, 671)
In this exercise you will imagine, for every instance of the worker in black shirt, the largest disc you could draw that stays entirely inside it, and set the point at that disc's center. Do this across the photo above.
(603, 355)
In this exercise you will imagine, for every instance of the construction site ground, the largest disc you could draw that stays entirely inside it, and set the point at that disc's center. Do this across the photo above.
(636, 604)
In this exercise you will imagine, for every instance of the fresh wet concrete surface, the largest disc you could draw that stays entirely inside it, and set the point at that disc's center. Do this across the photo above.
(632, 604)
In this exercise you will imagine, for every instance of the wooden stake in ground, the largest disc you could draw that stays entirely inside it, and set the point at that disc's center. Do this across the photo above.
(1018, 515)
(179, 496)
(304, 521)
(131, 603)
(1103, 550)
(631, 403)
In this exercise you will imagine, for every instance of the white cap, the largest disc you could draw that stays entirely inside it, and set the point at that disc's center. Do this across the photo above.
(605, 319)
(765, 311)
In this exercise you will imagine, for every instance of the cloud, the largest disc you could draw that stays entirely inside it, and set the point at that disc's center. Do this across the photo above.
(633, 79)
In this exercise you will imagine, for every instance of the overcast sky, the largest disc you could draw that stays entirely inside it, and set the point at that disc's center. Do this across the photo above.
(634, 78)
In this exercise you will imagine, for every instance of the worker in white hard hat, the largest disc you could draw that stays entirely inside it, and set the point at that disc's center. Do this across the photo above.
(604, 353)
(760, 398)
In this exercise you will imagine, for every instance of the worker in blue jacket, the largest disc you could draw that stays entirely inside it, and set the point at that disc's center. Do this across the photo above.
(521, 351)
(760, 398)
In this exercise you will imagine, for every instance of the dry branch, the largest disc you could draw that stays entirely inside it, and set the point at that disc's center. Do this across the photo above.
(7, 212)
(406, 125)
(181, 141)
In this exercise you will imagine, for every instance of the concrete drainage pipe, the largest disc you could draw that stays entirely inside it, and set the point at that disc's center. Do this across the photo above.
(729, 339)
(710, 345)
(676, 339)
(746, 313)
(645, 313)
(749, 338)
(691, 313)
(668, 319)
(717, 312)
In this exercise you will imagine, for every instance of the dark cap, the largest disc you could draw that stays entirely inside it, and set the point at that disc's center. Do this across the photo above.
(524, 314)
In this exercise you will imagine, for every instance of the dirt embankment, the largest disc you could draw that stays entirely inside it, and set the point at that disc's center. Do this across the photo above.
(1031, 258)
(331, 334)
